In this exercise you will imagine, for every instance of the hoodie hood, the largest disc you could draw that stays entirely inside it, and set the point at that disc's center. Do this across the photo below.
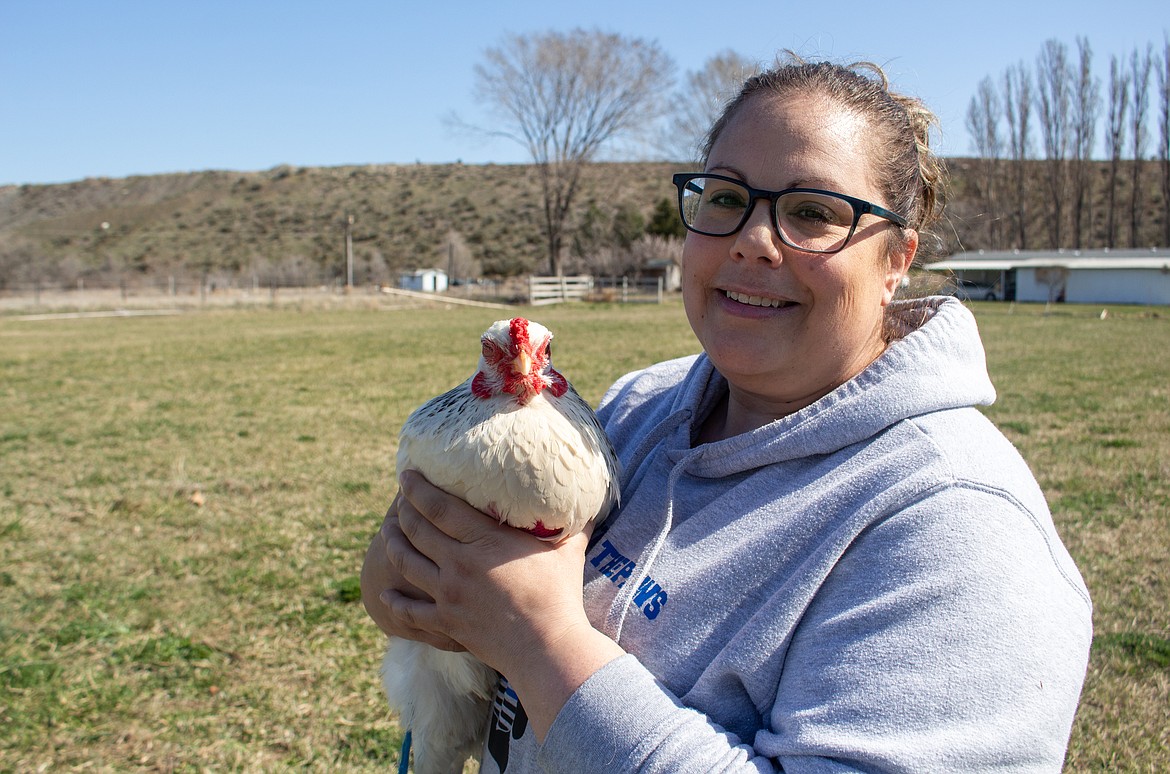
(938, 363)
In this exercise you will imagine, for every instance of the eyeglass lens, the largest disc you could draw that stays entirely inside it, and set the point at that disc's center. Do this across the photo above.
(810, 221)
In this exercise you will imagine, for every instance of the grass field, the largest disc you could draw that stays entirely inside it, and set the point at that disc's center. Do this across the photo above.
(185, 502)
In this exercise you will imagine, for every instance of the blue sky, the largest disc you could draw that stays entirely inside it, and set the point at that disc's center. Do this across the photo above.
(114, 88)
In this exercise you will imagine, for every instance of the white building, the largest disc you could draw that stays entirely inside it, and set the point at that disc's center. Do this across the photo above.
(424, 280)
(1074, 276)
(666, 268)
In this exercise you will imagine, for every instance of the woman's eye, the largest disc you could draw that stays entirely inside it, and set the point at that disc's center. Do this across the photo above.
(814, 213)
(726, 199)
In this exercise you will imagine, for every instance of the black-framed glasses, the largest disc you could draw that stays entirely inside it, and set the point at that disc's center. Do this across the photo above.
(808, 219)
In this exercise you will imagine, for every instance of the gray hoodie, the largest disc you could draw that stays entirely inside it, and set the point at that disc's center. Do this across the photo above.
(873, 583)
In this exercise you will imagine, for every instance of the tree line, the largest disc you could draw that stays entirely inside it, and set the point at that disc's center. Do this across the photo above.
(1063, 153)
(1062, 158)
(566, 96)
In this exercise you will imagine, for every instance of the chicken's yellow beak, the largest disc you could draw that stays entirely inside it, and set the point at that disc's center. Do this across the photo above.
(522, 365)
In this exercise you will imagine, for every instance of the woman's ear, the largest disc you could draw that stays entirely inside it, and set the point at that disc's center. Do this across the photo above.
(899, 265)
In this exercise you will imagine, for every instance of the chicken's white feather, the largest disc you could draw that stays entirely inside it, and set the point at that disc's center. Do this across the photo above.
(515, 441)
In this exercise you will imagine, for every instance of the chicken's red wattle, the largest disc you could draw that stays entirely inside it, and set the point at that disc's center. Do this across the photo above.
(543, 532)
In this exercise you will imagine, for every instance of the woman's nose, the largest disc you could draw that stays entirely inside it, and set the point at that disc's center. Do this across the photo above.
(757, 238)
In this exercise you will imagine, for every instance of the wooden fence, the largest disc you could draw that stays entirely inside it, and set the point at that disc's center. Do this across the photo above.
(627, 291)
(554, 290)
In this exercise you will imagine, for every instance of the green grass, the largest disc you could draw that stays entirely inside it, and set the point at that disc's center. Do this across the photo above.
(141, 631)
(1087, 401)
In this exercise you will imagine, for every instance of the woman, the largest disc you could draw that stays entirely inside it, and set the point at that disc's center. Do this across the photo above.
(826, 558)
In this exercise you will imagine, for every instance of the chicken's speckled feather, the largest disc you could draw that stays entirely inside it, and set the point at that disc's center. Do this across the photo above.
(545, 461)
(515, 441)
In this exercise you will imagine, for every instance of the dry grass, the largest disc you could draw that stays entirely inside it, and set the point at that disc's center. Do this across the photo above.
(1087, 400)
(141, 631)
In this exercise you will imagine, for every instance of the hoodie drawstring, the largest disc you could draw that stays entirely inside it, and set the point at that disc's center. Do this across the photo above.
(624, 601)
(616, 617)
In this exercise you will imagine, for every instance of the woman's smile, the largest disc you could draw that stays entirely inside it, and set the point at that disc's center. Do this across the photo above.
(754, 306)
(757, 300)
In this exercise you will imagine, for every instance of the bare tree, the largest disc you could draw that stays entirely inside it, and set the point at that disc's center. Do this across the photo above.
(456, 258)
(1115, 141)
(1164, 135)
(983, 117)
(563, 96)
(1017, 103)
(699, 102)
(1140, 67)
(1086, 104)
(1052, 107)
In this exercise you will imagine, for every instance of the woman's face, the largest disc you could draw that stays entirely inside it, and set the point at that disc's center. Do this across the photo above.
(786, 327)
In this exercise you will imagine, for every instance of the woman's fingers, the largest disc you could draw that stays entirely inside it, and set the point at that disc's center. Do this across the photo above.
(449, 514)
(376, 577)
(499, 592)
(399, 607)
(402, 540)
(413, 619)
(391, 519)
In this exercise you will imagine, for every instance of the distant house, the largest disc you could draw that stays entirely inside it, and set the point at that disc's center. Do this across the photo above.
(424, 280)
(667, 269)
(1075, 276)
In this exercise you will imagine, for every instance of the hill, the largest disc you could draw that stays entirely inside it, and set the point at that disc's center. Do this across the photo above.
(287, 225)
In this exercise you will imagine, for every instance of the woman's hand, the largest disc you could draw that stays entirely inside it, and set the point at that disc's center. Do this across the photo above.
(513, 601)
(499, 592)
(380, 581)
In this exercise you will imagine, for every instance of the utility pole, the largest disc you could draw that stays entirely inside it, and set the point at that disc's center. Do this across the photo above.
(349, 252)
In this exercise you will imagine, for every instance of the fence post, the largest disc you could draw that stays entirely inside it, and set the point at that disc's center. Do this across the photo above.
(660, 290)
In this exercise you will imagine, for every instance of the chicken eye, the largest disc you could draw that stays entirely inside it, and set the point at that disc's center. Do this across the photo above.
(492, 354)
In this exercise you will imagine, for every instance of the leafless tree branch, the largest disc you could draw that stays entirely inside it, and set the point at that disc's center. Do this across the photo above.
(563, 97)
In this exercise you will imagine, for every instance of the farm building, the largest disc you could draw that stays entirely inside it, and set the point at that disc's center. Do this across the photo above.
(1073, 276)
(424, 280)
(666, 268)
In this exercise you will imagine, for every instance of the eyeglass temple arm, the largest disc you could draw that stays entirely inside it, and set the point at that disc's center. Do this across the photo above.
(882, 212)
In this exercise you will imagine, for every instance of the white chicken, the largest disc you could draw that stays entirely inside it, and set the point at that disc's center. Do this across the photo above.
(517, 442)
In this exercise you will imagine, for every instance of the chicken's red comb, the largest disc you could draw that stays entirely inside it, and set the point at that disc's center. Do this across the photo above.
(519, 332)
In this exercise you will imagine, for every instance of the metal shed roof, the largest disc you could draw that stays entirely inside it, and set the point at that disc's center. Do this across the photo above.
(1003, 260)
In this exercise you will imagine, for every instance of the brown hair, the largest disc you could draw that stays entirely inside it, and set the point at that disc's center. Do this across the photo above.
(911, 178)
